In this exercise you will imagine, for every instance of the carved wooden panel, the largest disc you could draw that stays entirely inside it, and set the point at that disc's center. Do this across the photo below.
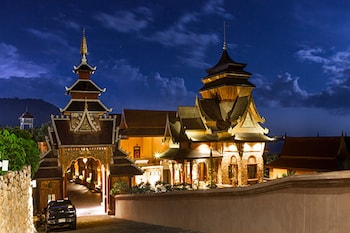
(67, 155)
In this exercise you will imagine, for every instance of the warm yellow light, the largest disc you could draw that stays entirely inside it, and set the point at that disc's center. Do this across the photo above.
(231, 148)
(157, 155)
(85, 160)
(204, 148)
(246, 147)
(257, 147)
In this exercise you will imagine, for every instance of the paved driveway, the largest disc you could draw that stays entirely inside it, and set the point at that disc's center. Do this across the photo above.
(92, 219)
(106, 223)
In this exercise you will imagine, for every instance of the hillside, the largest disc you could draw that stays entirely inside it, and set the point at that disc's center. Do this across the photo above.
(12, 108)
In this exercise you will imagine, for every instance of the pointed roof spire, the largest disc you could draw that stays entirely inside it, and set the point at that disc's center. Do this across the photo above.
(224, 47)
(83, 48)
(84, 66)
(226, 63)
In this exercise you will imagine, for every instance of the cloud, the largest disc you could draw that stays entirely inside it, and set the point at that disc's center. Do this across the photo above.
(285, 91)
(48, 36)
(136, 90)
(126, 21)
(311, 54)
(12, 64)
(216, 7)
(335, 65)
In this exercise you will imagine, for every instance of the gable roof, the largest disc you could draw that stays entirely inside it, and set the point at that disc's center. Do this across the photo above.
(313, 153)
(144, 122)
(66, 136)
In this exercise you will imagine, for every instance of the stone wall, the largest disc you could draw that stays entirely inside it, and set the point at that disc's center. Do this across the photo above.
(300, 204)
(16, 212)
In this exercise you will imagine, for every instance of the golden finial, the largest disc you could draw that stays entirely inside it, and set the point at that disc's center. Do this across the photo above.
(83, 48)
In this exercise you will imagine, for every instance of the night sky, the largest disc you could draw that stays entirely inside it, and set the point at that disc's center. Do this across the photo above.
(153, 54)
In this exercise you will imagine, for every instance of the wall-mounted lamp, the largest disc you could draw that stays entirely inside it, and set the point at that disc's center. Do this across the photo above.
(5, 165)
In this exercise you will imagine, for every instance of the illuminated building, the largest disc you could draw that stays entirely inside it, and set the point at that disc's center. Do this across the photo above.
(219, 141)
(311, 155)
(83, 143)
(26, 120)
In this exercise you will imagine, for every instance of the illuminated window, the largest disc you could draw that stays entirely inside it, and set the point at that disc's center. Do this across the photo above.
(252, 168)
(233, 171)
(137, 152)
(202, 171)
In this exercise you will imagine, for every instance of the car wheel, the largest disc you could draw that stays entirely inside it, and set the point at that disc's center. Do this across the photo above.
(73, 225)
(47, 228)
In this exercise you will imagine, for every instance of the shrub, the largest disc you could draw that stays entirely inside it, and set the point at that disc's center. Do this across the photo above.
(18, 147)
(119, 187)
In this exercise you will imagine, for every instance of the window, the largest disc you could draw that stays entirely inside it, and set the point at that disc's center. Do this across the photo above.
(233, 171)
(202, 171)
(252, 168)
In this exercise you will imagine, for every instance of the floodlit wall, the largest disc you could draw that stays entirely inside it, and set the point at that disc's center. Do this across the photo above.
(300, 204)
(16, 212)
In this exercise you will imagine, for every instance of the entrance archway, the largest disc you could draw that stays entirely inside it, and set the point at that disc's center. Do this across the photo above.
(84, 182)
(97, 153)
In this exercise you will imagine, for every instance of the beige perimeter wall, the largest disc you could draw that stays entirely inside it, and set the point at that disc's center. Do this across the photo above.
(306, 203)
(16, 206)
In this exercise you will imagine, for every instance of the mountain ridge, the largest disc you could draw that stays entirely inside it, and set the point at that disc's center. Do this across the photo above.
(12, 108)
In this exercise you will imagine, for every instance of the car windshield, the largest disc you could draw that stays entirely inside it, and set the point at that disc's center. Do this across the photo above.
(58, 204)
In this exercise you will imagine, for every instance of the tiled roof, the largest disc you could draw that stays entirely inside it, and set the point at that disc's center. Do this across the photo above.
(312, 153)
(227, 81)
(143, 132)
(313, 164)
(239, 108)
(210, 109)
(125, 170)
(84, 85)
(227, 64)
(190, 118)
(123, 166)
(144, 122)
(49, 173)
(145, 118)
(26, 115)
(68, 137)
(326, 147)
(79, 106)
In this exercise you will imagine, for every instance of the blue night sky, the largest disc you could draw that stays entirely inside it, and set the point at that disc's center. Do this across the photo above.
(153, 54)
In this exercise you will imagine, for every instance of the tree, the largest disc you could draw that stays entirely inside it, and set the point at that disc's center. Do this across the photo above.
(19, 148)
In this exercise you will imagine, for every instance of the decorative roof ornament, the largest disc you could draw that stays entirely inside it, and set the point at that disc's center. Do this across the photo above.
(83, 48)
(84, 66)
(224, 46)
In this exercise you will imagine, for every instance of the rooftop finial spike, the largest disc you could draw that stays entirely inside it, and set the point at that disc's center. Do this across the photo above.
(83, 48)
(224, 47)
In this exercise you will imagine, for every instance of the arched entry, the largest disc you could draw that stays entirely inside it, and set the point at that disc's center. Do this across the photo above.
(90, 165)
(84, 181)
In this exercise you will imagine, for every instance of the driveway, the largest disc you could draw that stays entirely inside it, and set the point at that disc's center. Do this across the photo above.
(106, 223)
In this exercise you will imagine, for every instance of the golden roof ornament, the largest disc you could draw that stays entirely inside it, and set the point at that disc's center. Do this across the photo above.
(83, 48)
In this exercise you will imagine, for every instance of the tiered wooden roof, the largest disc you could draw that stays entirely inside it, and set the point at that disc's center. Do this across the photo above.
(226, 111)
(123, 166)
(84, 92)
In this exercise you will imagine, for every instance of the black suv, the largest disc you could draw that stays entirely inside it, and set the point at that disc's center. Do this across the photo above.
(61, 213)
